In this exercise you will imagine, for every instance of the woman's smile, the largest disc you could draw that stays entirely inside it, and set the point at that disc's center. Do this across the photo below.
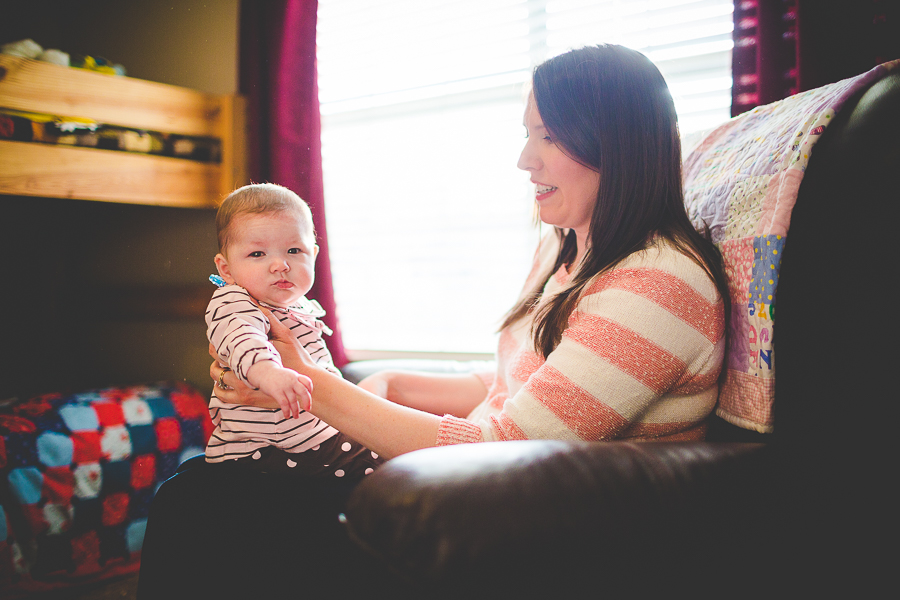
(543, 191)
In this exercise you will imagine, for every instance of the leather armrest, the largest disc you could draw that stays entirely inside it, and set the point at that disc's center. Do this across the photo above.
(544, 515)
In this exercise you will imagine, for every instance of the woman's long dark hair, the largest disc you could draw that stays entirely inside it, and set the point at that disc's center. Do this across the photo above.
(608, 108)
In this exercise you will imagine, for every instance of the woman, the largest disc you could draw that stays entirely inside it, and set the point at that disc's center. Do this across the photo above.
(619, 334)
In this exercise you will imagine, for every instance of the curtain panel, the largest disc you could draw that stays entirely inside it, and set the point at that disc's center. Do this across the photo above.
(278, 78)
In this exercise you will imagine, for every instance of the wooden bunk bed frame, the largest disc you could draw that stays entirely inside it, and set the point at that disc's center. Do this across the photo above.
(33, 170)
(56, 171)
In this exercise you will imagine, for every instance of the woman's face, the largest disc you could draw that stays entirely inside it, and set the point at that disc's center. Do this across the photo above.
(565, 190)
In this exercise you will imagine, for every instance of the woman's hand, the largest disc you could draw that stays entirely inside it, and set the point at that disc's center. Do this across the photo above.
(293, 355)
(385, 427)
(236, 392)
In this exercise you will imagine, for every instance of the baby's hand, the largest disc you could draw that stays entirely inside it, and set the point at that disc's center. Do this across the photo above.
(292, 391)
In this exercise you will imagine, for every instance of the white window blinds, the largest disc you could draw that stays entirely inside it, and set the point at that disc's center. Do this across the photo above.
(429, 219)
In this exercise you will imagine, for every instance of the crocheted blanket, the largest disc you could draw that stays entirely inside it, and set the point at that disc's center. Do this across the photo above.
(77, 473)
(741, 181)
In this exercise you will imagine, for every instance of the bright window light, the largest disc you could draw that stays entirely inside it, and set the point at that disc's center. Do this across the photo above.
(430, 223)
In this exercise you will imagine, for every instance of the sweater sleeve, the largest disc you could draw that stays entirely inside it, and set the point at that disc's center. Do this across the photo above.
(238, 330)
(637, 335)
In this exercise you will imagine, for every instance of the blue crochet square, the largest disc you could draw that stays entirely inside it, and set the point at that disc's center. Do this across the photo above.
(168, 462)
(116, 476)
(143, 439)
(21, 450)
(192, 434)
(50, 421)
(161, 407)
(79, 417)
(26, 483)
(88, 514)
(139, 507)
(55, 449)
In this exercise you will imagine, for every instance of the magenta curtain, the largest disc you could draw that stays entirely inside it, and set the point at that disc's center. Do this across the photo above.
(278, 78)
(782, 47)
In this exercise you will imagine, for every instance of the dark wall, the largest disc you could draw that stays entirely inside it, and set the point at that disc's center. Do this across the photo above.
(190, 43)
(843, 38)
(96, 293)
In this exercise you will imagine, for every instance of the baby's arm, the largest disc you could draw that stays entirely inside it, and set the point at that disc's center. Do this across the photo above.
(291, 390)
(237, 329)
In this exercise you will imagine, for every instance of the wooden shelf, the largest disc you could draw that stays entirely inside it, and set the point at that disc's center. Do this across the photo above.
(36, 169)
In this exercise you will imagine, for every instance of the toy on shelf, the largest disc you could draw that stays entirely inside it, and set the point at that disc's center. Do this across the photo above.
(28, 48)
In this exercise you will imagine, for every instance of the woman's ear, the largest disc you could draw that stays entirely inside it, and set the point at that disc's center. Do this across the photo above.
(222, 267)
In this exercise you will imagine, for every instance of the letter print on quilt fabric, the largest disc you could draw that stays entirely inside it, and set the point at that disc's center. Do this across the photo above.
(767, 253)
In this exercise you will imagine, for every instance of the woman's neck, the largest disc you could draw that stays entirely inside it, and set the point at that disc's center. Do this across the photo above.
(580, 247)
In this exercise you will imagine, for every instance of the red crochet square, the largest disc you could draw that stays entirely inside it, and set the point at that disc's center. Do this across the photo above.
(115, 509)
(208, 428)
(34, 514)
(109, 413)
(86, 446)
(86, 553)
(189, 406)
(143, 471)
(168, 434)
(59, 485)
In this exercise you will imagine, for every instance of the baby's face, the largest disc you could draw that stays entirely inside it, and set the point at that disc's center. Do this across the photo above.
(271, 255)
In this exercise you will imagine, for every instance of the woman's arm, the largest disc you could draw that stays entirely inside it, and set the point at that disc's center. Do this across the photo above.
(639, 358)
(438, 393)
(388, 428)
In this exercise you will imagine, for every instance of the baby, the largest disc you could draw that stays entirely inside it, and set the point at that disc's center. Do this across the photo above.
(267, 254)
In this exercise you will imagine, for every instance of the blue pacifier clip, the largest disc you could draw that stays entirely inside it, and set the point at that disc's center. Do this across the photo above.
(218, 280)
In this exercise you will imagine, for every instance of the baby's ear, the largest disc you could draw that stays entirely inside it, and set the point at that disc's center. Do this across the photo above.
(222, 267)
(315, 251)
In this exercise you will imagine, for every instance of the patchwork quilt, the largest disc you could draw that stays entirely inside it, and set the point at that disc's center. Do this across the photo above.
(741, 181)
(77, 473)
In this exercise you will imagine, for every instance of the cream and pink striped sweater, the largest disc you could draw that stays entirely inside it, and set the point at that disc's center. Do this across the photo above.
(639, 360)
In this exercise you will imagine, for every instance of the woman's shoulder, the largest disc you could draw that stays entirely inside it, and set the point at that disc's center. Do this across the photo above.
(663, 264)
